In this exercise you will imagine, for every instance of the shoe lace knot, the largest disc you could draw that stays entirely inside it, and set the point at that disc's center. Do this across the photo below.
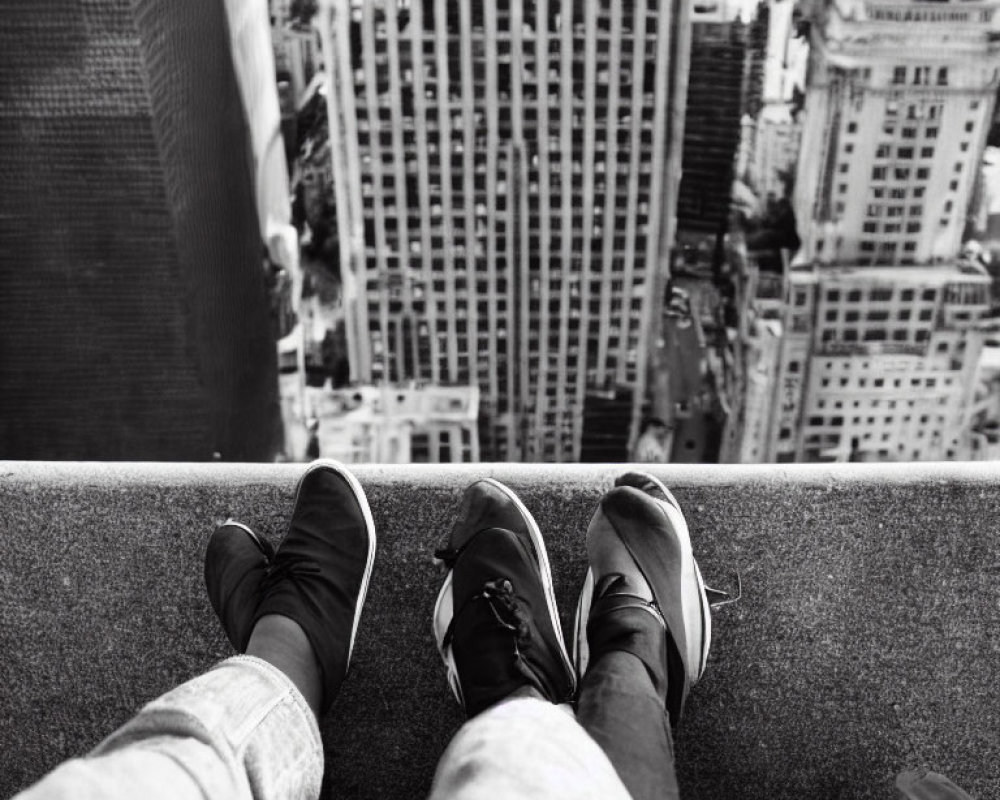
(292, 567)
(507, 610)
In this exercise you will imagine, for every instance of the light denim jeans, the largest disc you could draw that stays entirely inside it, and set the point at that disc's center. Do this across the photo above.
(242, 731)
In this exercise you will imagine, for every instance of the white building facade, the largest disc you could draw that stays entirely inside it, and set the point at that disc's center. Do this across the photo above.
(883, 329)
(899, 100)
(882, 363)
(506, 179)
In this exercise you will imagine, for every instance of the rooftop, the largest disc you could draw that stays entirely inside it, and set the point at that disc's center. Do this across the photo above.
(865, 642)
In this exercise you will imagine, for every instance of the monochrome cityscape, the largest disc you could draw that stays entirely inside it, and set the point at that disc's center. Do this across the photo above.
(737, 231)
(767, 226)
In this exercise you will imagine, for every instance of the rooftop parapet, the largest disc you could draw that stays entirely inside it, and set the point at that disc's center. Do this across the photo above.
(865, 643)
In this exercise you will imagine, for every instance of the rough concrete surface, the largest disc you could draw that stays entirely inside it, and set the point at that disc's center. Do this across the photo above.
(867, 640)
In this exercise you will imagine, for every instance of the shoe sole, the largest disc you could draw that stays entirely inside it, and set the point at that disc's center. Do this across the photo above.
(696, 610)
(366, 512)
(444, 606)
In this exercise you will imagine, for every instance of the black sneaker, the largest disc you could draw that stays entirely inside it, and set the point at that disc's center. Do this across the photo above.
(236, 561)
(644, 593)
(495, 621)
(319, 576)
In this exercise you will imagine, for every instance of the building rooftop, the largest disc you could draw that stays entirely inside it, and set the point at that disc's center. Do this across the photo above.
(865, 642)
(923, 274)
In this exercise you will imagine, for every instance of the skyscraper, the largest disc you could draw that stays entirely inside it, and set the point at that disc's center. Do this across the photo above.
(898, 106)
(881, 346)
(141, 179)
(506, 177)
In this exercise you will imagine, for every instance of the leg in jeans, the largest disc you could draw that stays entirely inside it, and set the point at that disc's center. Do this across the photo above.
(642, 633)
(525, 747)
(242, 730)
(248, 728)
(498, 632)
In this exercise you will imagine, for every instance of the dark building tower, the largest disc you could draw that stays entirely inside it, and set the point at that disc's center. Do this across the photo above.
(715, 104)
(133, 317)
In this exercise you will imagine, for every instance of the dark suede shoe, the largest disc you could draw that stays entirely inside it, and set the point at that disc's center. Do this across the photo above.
(495, 621)
(319, 576)
(236, 561)
(644, 593)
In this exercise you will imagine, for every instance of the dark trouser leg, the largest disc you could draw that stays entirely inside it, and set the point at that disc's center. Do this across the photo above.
(622, 711)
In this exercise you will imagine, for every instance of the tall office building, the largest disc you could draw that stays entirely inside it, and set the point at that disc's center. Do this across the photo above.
(506, 177)
(898, 106)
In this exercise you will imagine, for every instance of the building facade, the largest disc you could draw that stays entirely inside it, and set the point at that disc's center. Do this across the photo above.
(506, 178)
(715, 103)
(883, 361)
(140, 187)
(389, 424)
(881, 316)
(899, 103)
(776, 151)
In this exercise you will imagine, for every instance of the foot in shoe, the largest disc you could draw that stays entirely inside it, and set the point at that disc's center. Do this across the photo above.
(495, 621)
(236, 561)
(319, 575)
(643, 593)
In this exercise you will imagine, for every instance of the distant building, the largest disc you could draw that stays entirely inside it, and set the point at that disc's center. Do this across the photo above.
(141, 183)
(786, 53)
(747, 437)
(506, 179)
(984, 414)
(715, 104)
(396, 424)
(871, 346)
(880, 363)
(771, 138)
(776, 152)
(898, 106)
(297, 55)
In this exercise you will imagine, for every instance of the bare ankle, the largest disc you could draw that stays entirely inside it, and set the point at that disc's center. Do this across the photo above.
(281, 642)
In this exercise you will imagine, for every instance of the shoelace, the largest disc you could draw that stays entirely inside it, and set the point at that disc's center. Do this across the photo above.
(507, 610)
(290, 567)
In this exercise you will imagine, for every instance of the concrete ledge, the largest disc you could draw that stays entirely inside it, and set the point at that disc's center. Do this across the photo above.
(867, 640)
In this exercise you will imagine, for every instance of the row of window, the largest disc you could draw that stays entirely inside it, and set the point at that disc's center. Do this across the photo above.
(884, 383)
(883, 173)
(886, 249)
(875, 335)
(873, 403)
(875, 294)
(906, 153)
(890, 227)
(617, 287)
(839, 421)
(920, 76)
(609, 118)
(878, 315)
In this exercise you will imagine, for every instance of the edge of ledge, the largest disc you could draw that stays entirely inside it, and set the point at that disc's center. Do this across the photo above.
(107, 474)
